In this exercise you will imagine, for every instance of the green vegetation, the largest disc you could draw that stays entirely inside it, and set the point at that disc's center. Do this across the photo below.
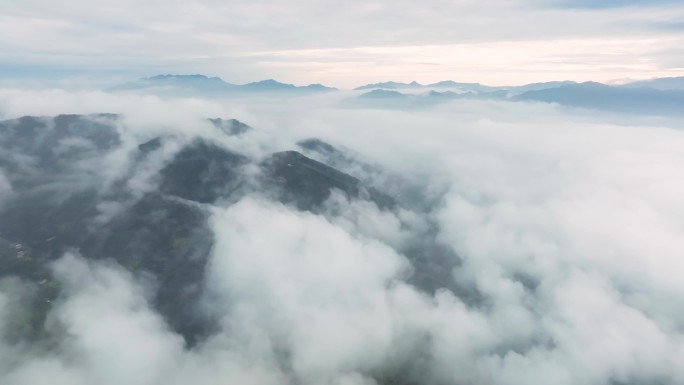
(178, 242)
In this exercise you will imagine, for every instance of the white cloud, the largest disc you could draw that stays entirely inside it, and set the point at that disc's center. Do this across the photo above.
(567, 224)
(247, 40)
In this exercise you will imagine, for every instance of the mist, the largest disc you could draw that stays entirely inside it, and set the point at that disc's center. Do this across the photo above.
(489, 242)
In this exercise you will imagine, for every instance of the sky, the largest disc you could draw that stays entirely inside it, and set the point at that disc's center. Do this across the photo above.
(81, 43)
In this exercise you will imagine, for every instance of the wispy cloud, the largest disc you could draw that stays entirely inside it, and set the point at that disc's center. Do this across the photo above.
(226, 39)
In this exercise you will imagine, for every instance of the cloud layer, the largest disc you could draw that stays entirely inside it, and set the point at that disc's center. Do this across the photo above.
(501, 42)
(562, 232)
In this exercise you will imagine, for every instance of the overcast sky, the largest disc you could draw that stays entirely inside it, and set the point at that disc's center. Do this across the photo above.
(343, 44)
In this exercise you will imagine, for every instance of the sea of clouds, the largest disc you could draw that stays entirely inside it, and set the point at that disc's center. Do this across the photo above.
(568, 225)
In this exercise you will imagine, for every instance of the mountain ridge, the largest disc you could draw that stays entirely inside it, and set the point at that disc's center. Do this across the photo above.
(203, 83)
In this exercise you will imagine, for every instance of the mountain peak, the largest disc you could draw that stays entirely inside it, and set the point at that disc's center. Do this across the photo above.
(181, 77)
(268, 81)
(268, 85)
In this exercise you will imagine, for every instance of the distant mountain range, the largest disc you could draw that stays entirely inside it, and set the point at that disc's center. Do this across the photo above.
(201, 84)
(663, 96)
(415, 85)
(630, 99)
(463, 87)
(670, 83)
(392, 99)
(215, 84)
(676, 83)
(633, 98)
